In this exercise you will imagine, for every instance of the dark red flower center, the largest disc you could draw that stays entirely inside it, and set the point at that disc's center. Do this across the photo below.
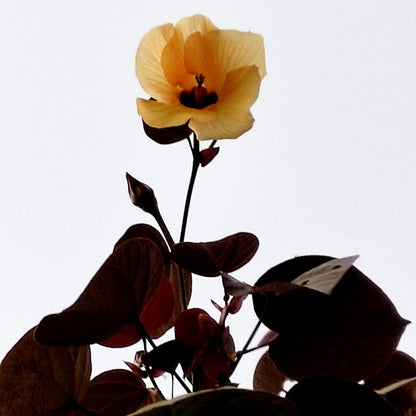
(198, 97)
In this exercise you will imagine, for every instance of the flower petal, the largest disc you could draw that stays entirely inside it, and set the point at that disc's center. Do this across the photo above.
(237, 49)
(197, 23)
(232, 63)
(241, 88)
(231, 116)
(172, 62)
(218, 52)
(217, 125)
(172, 59)
(201, 57)
(149, 71)
(161, 115)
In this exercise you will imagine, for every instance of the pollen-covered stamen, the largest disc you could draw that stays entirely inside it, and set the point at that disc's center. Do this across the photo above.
(198, 97)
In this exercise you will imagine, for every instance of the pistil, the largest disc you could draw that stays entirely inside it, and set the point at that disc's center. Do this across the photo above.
(198, 97)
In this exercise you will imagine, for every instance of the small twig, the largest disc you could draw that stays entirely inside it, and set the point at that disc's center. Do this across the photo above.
(250, 338)
(253, 349)
(153, 381)
(245, 348)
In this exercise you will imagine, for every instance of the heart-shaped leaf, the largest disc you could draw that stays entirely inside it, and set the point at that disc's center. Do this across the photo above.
(400, 367)
(145, 231)
(267, 377)
(160, 313)
(36, 379)
(116, 295)
(115, 393)
(209, 259)
(175, 274)
(350, 334)
(227, 401)
(213, 348)
(194, 327)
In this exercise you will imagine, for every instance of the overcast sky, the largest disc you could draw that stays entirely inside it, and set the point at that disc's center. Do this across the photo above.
(328, 168)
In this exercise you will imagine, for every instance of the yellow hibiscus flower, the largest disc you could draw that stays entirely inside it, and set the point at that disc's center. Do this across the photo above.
(200, 74)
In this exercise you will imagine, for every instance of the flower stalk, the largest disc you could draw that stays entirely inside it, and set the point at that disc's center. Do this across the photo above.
(195, 165)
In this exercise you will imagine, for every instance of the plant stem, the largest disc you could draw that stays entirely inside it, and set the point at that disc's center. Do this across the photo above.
(164, 228)
(195, 165)
(147, 337)
(250, 338)
(245, 349)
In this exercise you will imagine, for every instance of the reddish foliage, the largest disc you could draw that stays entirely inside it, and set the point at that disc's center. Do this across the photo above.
(158, 311)
(209, 259)
(207, 155)
(127, 335)
(138, 282)
(213, 348)
(167, 135)
(351, 333)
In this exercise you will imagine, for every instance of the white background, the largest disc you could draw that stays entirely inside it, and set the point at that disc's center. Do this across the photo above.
(328, 168)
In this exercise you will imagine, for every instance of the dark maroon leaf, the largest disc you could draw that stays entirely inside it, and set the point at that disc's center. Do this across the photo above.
(350, 334)
(145, 231)
(213, 348)
(329, 396)
(209, 259)
(115, 296)
(115, 393)
(172, 271)
(235, 304)
(267, 377)
(138, 282)
(127, 334)
(37, 380)
(403, 398)
(167, 135)
(167, 356)
(190, 329)
(400, 367)
(207, 155)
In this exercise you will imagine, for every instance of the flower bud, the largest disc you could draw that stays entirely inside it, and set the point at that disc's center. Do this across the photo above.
(142, 195)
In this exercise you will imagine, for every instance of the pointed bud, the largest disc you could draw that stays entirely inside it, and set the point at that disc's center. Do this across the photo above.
(142, 195)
